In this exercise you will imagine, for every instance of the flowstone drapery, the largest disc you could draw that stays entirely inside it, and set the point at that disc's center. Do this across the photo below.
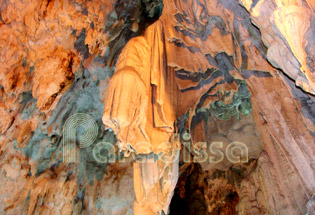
(186, 73)
(141, 111)
(147, 95)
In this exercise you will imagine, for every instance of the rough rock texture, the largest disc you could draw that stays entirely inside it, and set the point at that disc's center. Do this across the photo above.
(220, 71)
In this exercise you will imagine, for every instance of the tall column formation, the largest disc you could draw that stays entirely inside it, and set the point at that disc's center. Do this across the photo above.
(140, 108)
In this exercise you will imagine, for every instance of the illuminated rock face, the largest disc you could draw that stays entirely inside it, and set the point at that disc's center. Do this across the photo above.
(199, 77)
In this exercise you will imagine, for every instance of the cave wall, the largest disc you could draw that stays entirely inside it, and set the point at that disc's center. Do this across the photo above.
(57, 58)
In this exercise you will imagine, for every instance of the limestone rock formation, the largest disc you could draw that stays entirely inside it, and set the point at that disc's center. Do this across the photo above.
(113, 106)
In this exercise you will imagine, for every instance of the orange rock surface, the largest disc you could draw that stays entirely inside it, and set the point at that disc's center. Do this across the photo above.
(176, 79)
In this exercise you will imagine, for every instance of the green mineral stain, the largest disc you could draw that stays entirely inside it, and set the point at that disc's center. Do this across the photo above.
(98, 204)
(33, 147)
(45, 159)
(241, 104)
(26, 203)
